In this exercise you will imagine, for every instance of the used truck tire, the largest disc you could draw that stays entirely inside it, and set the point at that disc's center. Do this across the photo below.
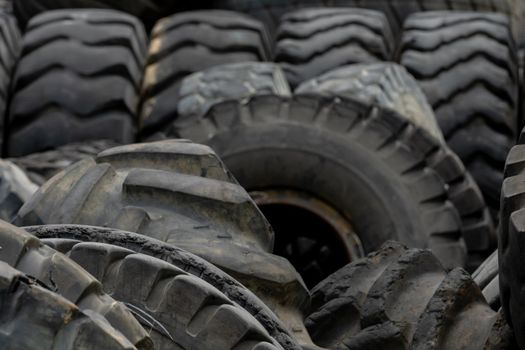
(181, 193)
(322, 162)
(391, 86)
(466, 64)
(64, 237)
(186, 312)
(33, 317)
(189, 42)
(27, 254)
(312, 41)
(403, 298)
(97, 57)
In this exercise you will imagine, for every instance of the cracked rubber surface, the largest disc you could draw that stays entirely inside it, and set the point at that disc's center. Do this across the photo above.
(190, 42)
(33, 317)
(466, 64)
(390, 86)
(63, 237)
(97, 57)
(180, 193)
(403, 298)
(27, 254)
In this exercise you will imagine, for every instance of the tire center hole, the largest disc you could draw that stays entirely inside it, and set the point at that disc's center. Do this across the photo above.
(315, 238)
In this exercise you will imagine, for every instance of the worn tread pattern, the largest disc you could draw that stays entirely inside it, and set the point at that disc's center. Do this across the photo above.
(236, 81)
(33, 317)
(466, 63)
(390, 137)
(180, 193)
(486, 277)
(510, 242)
(311, 42)
(40, 167)
(270, 11)
(403, 298)
(392, 87)
(63, 237)
(191, 313)
(97, 57)
(189, 42)
(27, 254)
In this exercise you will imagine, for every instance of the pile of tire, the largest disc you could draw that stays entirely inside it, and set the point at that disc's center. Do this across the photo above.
(185, 176)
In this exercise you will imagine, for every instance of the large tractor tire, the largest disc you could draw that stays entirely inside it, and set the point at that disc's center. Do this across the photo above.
(77, 80)
(466, 64)
(180, 193)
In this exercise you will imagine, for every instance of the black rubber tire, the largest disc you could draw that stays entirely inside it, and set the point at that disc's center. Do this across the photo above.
(275, 142)
(40, 167)
(510, 242)
(9, 52)
(391, 86)
(189, 42)
(466, 63)
(26, 253)
(188, 312)
(182, 194)
(403, 298)
(63, 237)
(96, 56)
(487, 278)
(313, 41)
(270, 11)
(15, 189)
(149, 11)
(35, 318)
(236, 81)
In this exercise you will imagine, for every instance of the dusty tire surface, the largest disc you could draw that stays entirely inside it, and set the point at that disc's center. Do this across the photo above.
(63, 237)
(96, 56)
(466, 63)
(190, 42)
(390, 86)
(373, 296)
(311, 42)
(27, 254)
(34, 317)
(286, 140)
(185, 311)
(180, 193)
